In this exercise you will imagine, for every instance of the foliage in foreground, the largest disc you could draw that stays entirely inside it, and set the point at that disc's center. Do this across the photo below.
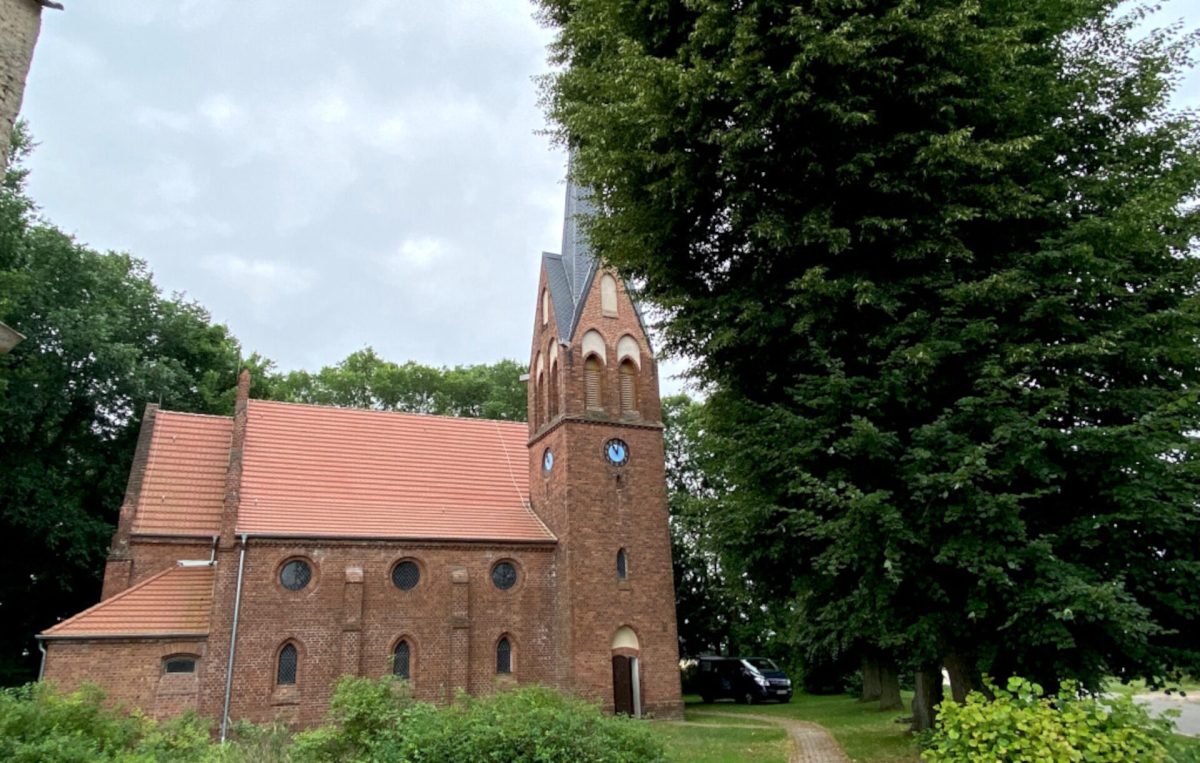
(369, 720)
(40, 725)
(1023, 724)
(374, 720)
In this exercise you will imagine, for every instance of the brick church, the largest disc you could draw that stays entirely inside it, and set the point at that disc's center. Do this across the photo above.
(261, 556)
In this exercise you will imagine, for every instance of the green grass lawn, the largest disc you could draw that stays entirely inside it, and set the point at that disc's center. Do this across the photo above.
(687, 743)
(866, 734)
(1191, 687)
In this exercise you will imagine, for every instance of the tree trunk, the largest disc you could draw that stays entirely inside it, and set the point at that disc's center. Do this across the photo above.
(926, 697)
(870, 680)
(889, 688)
(964, 676)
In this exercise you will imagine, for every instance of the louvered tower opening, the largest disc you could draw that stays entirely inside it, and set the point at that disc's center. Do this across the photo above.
(593, 370)
(628, 387)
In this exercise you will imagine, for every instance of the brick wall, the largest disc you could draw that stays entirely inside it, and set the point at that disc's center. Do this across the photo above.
(129, 671)
(20, 22)
(350, 616)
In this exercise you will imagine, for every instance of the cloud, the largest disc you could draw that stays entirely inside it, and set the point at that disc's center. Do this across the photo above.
(165, 184)
(263, 281)
(221, 112)
(154, 118)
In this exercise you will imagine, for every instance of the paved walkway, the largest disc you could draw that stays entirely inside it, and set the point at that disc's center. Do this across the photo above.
(1188, 722)
(810, 743)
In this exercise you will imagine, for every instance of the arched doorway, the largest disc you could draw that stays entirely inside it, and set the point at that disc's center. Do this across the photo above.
(627, 690)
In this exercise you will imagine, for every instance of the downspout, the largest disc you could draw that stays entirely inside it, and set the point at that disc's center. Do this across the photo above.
(635, 675)
(42, 649)
(237, 605)
(212, 556)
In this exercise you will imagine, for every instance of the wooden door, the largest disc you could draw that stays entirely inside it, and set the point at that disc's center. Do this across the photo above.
(622, 685)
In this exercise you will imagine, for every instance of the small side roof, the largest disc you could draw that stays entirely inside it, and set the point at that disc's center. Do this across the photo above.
(183, 490)
(175, 602)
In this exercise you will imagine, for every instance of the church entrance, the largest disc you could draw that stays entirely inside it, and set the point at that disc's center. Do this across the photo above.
(627, 689)
(623, 684)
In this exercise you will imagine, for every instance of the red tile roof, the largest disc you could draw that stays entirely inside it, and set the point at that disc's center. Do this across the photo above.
(175, 602)
(336, 472)
(184, 484)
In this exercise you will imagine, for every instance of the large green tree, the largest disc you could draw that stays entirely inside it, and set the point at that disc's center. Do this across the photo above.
(101, 341)
(936, 262)
(364, 380)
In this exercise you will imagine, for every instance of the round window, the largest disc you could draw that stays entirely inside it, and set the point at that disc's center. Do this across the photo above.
(547, 461)
(406, 575)
(504, 575)
(295, 575)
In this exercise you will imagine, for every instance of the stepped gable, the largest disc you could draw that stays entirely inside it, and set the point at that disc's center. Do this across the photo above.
(175, 602)
(315, 471)
(184, 483)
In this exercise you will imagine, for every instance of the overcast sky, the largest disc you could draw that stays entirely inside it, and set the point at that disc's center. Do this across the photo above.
(321, 176)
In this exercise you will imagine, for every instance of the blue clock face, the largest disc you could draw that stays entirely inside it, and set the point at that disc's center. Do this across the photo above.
(617, 452)
(548, 460)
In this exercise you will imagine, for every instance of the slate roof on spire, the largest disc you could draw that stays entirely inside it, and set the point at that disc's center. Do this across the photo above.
(570, 274)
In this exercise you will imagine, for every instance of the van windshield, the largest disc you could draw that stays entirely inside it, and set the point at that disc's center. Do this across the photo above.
(761, 663)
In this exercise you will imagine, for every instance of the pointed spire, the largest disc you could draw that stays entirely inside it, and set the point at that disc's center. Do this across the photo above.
(570, 275)
(578, 260)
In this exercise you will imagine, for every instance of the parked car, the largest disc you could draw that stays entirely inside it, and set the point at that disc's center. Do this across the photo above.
(743, 679)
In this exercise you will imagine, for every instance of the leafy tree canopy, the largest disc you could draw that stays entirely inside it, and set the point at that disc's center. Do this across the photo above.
(101, 342)
(364, 380)
(937, 264)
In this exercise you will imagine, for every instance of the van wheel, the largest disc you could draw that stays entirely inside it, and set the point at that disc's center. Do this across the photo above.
(748, 698)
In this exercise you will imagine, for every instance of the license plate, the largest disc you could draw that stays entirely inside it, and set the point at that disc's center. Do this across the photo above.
(781, 691)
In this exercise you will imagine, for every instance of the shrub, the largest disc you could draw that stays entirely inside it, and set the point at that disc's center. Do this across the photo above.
(372, 721)
(41, 725)
(1022, 724)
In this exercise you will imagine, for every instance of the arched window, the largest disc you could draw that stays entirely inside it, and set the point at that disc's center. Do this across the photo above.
(628, 386)
(402, 661)
(622, 565)
(593, 372)
(504, 656)
(539, 394)
(545, 306)
(288, 665)
(539, 391)
(553, 408)
(180, 663)
(608, 295)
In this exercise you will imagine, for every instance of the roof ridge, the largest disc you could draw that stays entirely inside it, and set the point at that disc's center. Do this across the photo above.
(376, 411)
(195, 415)
(121, 595)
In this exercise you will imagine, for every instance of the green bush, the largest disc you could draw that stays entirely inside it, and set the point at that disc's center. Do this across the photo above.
(1022, 724)
(373, 721)
(40, 725)
(369, 720)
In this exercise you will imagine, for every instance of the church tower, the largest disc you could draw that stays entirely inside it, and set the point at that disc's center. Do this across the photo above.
(597, 480)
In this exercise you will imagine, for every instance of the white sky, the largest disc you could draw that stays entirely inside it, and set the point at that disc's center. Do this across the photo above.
(321, 176)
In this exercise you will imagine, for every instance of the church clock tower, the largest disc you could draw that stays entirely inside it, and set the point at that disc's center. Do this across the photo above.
(597, 480)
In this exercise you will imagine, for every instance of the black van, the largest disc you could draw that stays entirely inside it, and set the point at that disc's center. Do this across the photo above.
(743, 679)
